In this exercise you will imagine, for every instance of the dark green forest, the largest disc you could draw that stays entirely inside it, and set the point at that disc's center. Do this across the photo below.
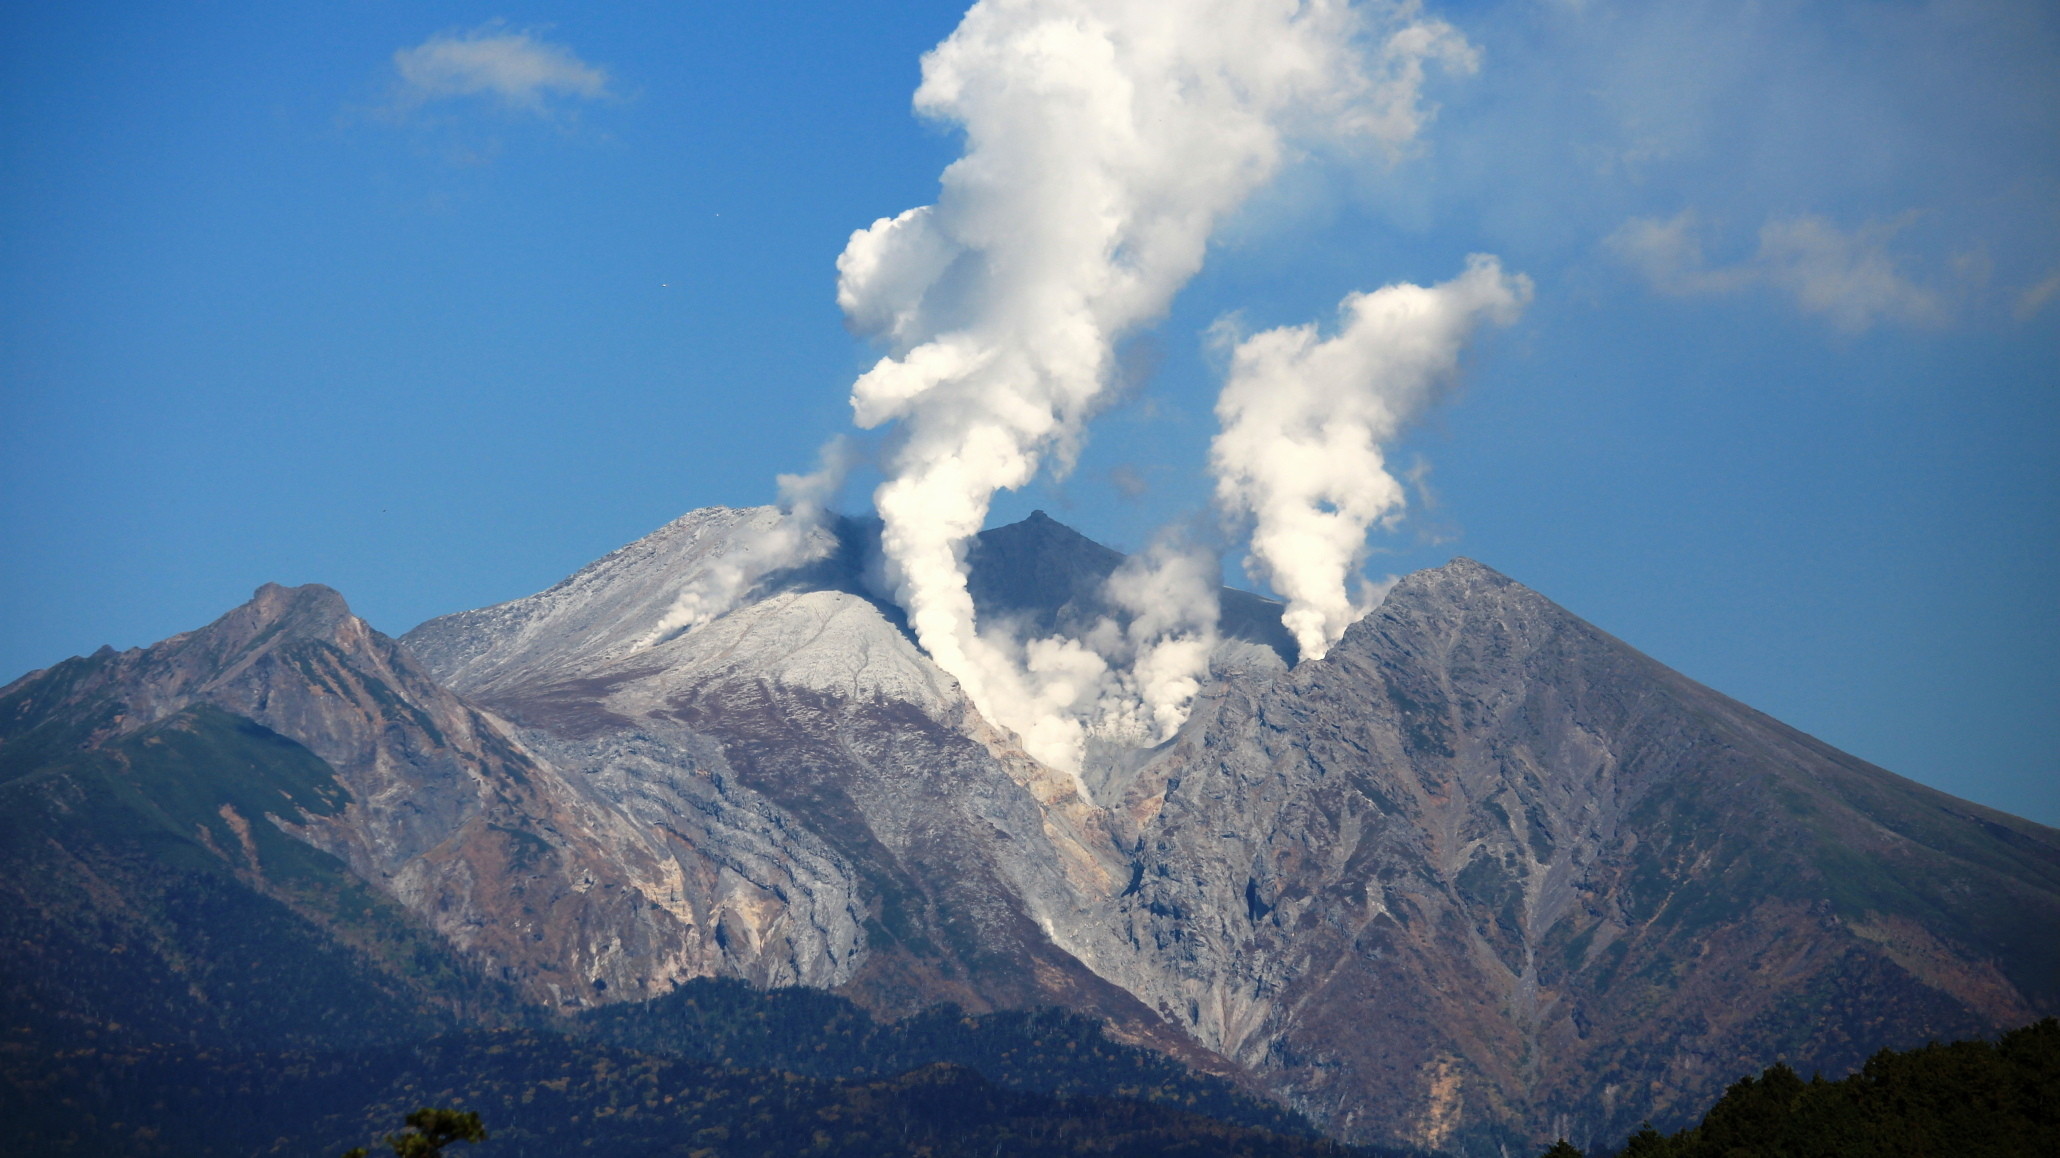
(1966, 1099)
(818, 1034)
(544, 1093)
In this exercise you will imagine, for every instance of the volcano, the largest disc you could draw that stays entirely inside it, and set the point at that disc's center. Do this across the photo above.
(1480, 876)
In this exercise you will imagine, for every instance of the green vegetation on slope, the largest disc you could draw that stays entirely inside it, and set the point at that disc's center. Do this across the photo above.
(1969, 1099)
(818, 1034)
(148, 896)
(544, 1094)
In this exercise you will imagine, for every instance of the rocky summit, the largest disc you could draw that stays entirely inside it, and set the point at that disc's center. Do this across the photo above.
(1480, 877)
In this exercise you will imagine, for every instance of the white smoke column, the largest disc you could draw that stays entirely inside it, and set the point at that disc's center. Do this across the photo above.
(1304, 420)
(1172, 593)
(1105, 141)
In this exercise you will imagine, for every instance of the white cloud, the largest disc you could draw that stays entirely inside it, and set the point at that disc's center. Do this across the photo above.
(1589, 115)
(1669, 255)
(1849, 278)
(514, 69)
(2034, 298)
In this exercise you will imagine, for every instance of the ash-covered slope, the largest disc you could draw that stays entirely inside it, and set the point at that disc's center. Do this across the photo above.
(612, 614)
(823, 624)
(968, 859)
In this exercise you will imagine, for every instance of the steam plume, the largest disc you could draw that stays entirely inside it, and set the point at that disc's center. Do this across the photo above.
(788, 540)
(1105, 141)
(1170, 592)
(1304, 421)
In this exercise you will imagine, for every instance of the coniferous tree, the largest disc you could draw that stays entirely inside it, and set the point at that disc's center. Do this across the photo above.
(1646, 1143)
(429, 1131)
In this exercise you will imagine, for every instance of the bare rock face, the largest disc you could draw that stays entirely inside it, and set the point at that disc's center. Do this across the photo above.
(968, 860)
(574, 891)
(1492, 868)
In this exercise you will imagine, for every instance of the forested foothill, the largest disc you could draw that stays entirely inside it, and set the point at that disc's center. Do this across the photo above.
(717, 1070)
(1967, 1099)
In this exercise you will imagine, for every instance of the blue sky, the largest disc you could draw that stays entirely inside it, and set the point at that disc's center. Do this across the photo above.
(1783, 412)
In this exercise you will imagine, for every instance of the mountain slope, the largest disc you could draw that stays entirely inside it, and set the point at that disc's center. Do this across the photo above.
(560, 891)
(1483, 860)
(1486, 860)
(964, 854)
(1482, 876)
(145, 896)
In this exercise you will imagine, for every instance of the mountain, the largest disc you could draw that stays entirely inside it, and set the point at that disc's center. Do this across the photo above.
(1049, 578)
(161, 854)
(552, 889)
(225, 939)
(1482, 876)
(1487, 861)
(1482, 860)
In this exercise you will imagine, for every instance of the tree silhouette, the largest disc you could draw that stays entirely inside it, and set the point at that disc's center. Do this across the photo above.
(432, 1130)
(1646, 1143)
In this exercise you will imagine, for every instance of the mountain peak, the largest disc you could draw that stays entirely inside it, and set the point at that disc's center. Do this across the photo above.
(1465, 586)
(1048, 577)
(310, 600)
(1037, 567)
(162, 678)
(1464, 564)
(1039, 531)
(214, 664)
(1463, 570)
(1466, 604)
(277, 613)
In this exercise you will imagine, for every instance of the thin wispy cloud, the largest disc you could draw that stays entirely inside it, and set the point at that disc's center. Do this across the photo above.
(1848, 277)
(2034, 298)
(515, 70)
(1668, 253)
